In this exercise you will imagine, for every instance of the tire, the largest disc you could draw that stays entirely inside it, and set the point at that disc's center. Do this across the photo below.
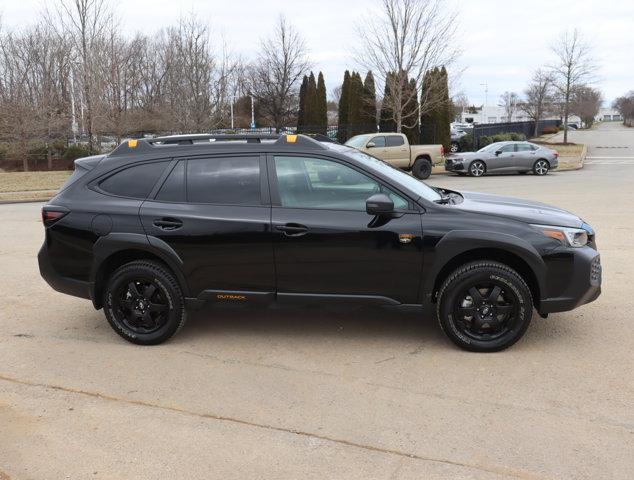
(541, 167)
(144, 303)
(421, 168)
(522, 172)
(477, 168)
(478, 317)
(455, 147)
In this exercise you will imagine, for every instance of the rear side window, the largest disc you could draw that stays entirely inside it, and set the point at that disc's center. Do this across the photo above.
(135, 182)
(229, 181)
(395, 141)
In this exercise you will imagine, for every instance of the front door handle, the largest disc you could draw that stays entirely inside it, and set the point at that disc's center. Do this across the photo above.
(168, 223)
(292, 229)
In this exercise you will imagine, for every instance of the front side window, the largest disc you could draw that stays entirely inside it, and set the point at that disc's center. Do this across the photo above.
(379, 141)
(395, 141)
(134, 182)
(508, 148)
(224, 181)
(323, 184)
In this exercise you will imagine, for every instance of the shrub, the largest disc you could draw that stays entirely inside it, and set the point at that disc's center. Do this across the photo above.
(76, 151)
(466, 143)
(550, 129)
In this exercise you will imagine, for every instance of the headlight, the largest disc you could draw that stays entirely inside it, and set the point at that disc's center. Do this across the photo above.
(573, 237)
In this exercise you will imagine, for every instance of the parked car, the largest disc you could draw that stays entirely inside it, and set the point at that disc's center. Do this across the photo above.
(456, 135)
(394, 148)
(161, 226)
(501, 157)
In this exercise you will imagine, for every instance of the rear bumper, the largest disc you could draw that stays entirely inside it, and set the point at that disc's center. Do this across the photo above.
(584, 288)
(69, 286)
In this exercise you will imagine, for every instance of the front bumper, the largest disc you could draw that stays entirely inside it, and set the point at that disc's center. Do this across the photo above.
(69, 286)
(583, 287)
(453, 165)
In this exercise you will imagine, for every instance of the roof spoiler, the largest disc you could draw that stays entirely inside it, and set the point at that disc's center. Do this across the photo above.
(145, 145)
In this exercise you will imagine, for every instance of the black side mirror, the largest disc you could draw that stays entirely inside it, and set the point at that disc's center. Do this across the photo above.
(379, 204)
(497, 152)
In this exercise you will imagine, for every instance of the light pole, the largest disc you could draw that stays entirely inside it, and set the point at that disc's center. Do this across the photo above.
(252, 113)
(232, 100)
(486, 98)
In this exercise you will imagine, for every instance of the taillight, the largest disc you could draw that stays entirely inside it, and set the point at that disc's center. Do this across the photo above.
(51, 214)
(556, 154)
(442, 150)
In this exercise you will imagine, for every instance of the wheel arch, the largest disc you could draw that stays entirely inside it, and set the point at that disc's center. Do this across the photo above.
(112, 251)
(465, 247)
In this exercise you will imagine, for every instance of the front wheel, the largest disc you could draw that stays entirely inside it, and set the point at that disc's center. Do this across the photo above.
(541, 167)
(144, 303)
(484, 306)
(421, 168)
(477, 168)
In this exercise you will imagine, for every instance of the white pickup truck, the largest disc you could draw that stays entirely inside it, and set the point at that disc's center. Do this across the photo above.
(394, 149)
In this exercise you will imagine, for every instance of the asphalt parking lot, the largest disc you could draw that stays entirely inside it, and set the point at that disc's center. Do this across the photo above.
(322, 393)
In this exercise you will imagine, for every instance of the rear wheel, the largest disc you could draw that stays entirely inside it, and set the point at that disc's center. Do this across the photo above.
(477, 168)
(421, 168)
(144, 303)
(484, 306)
(541, 167)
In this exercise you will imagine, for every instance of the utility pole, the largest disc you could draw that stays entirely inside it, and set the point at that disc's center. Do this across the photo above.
(486, 98)
(232, 100)
(252, 114)
(73, 123)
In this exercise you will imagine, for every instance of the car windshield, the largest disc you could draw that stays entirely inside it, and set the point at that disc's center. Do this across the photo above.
(396, 174)
(358, 141)
(491, 147)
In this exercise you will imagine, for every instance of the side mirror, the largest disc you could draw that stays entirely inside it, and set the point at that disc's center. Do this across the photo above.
(497, 152)
(370, 145)
(379, 204)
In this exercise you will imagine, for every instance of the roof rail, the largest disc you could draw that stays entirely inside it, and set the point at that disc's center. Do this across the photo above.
(145, 145)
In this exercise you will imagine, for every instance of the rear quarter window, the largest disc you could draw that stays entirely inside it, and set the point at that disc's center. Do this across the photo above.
(135, 182)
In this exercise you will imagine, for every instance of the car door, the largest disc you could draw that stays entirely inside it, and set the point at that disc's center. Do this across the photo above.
(501, 158)
(214, 213)
(398, 151)
(327, 245)
(377, 147)
(524, 156)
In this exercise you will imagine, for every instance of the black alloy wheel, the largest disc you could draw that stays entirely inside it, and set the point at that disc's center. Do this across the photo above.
(484, 306)
(144, 303)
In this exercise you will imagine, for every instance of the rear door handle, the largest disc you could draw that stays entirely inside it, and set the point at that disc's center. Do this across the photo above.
(292, 229)
(168, 223)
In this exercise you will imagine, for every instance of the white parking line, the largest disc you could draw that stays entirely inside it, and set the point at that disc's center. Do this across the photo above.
(610, 158)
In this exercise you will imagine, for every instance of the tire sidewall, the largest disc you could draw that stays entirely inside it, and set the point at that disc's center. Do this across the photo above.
(459, 283)
(547, 168)
(476, 162)
(422, 169)
(165, 283)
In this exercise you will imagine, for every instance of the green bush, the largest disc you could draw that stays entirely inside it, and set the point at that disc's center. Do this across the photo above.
(77, 151)
(466, 143)
(501, 137)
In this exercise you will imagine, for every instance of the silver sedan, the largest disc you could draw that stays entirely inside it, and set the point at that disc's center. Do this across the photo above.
(501, 157)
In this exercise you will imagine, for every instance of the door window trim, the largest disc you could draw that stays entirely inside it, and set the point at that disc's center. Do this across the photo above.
(275, 193)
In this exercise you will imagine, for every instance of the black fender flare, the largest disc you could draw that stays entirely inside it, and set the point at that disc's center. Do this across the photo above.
(114, 243)
(458, 242)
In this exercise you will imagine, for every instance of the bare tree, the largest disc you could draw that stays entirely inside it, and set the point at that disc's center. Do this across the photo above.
(585, 102)
(275, 75)
(625, 106)
(538, 97)
(85, 22)
(407, 39)
(509, 101)
(574, 66)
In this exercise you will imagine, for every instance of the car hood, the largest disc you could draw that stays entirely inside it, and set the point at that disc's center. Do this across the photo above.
(518, 209)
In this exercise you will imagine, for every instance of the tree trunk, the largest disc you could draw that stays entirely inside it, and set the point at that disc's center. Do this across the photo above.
(49, 158)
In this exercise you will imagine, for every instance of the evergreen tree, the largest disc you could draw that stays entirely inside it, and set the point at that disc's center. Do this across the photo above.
(410, 113)
(386, 120)
(322, 108)
(311, 104)
(446, 111)
(428, 116)
(301, 114)
(343, 109)
(369, 103)
(355, 105)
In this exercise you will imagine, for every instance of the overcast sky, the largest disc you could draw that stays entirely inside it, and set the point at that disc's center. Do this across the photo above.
(502, 41)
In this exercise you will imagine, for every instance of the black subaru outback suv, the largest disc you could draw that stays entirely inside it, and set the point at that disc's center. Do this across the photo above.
(162, 225)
